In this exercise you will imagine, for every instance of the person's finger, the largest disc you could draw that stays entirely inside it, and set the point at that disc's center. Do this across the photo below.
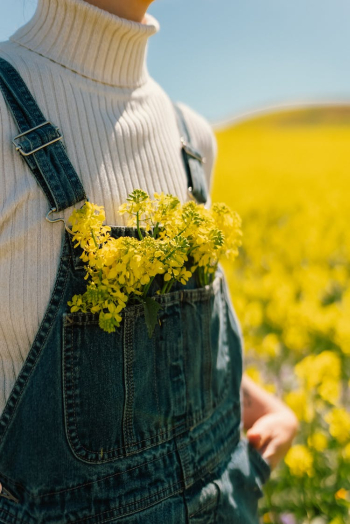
(272, 455)
(259, 432)
(254, 439)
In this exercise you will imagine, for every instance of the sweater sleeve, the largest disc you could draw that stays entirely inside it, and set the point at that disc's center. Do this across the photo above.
(203, 139)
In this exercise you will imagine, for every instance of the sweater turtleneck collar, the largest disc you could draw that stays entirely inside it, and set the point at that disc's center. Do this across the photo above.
(89, 41)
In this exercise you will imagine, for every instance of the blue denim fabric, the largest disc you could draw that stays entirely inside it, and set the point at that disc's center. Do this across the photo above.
(193, 162)
(50, 166)
(120, 428)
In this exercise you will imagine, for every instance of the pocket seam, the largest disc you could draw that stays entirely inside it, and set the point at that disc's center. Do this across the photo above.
(215, 402)
(128, 430)
(261, 462)
(131, 444)
(79, 450)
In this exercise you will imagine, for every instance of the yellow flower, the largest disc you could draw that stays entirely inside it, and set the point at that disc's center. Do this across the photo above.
(339, 424)
(300, 461)
(253, 373)
(346, 452)
(301, 404)
(174, 241)
(270, 388)
(337, 520)
(329, 390)
(270, 345)
(267, 518)
(343, 333)
(314, 369)
(296, 338)
(253, 314)
(318, 441)
(295, 265)
(341, 494)
(87, 226)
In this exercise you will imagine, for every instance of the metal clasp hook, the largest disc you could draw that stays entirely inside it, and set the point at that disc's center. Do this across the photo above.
(60, 219)
(54, 220)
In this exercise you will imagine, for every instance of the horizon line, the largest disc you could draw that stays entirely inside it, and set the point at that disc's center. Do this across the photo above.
(220, 125)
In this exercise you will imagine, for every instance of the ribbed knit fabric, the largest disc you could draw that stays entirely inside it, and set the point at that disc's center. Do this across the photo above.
(87, 70)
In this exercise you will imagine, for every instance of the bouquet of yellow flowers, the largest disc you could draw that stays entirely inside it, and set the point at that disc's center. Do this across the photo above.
(175, 241)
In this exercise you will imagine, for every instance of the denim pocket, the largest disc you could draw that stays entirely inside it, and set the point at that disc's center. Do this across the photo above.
(262, 467)
(240, 484)
(125, 392)
(207, 363)
(219, 348)
(93, 388)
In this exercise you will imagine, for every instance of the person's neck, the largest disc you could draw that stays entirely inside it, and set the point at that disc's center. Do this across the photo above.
(134, 10)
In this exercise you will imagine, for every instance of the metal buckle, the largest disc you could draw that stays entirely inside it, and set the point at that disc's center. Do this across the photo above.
(191, 152)
(19, 147)
(190, 193)
(60, 219)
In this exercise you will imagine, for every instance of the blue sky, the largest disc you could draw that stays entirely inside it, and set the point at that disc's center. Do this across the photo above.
(226, 57)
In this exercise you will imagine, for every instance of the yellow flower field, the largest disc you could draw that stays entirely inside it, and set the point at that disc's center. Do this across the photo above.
(288, 176)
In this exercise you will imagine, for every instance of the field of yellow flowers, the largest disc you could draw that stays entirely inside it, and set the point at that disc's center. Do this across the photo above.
(288, 176)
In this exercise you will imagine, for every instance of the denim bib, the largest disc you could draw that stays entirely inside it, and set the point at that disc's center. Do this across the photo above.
(121, 428)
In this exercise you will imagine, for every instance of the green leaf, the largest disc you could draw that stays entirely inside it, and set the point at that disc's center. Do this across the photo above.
(151, 308)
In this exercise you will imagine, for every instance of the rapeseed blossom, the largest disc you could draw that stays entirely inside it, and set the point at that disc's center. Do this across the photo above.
(174, 242)
(287, 174)
(300, 461)
(339, 424)
(318, 441)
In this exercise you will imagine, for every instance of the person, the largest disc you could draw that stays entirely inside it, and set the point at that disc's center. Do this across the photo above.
(100, 427)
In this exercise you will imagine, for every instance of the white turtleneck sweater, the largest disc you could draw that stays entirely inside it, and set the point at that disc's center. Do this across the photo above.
(86, 68)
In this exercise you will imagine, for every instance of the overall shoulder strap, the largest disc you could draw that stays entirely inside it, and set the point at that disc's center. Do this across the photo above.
(193, 161)
(39, 143)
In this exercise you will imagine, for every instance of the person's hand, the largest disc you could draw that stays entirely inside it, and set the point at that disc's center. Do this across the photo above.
(272, 434)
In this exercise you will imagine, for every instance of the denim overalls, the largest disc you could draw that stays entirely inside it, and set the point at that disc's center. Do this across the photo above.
(121, 428)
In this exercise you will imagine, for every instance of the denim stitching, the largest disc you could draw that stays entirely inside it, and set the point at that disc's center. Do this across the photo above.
(66, 163)
(180, 482)
(184, 361)
(15, 397)
(261, 461)
(210, 464)
(224, 321)
(110, 454)
(218, 500)
(129, 384)
(225, 414)
(208, 505)
(169, 299)
(167, 432)
(171, 487)
(155, 376)
(126, 514)
(207, 352)
(224, 390)
(27, 115)
(12, 516)
(128, 409)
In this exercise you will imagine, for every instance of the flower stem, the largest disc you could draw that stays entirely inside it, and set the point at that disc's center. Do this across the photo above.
(156, 229)
(94, 238)
(145, 291)
(167, 286)
(138, 226)
(170, 285)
